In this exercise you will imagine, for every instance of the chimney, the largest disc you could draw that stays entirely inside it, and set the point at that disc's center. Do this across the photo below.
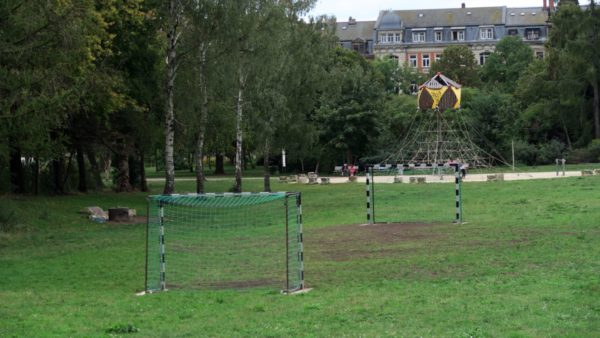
(546, 4)
(463, 5)
(351, 21)
(552, 5)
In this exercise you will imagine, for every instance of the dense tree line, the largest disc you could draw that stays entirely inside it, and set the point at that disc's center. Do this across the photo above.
(92, 90)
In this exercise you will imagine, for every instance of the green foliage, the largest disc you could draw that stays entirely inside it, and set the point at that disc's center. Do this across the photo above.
(459, 64)
(8, 217)
(591, 153)
(507, 63)
(347, 116)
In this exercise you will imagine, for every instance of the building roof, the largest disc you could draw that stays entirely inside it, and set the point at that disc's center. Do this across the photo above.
(355, 30)
(450, 17)
(526, 16)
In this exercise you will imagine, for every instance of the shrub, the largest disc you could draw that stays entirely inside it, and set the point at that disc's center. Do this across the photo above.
(8, 217)
(550, 151)
(591, 153)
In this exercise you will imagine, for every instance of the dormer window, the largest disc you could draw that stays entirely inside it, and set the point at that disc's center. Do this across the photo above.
(458, 35)
(532, 34)
(398, 37)
(486, 33)
(438, 36)
(418, 36)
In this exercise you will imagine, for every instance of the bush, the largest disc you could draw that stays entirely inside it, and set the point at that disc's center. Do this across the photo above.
(591, 153)
(550, 151)
(525, 152)
(8, 217)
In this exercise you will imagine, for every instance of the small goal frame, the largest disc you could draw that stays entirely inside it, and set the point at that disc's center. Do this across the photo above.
(370, 187)
(158, 217)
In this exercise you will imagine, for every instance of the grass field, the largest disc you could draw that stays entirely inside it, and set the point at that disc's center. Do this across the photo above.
(527, 264)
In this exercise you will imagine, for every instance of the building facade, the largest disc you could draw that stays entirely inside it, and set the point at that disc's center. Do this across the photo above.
(418, 37)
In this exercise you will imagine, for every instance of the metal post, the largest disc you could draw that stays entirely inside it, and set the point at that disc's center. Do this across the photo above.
(287, 247)
(457, 190)
(557, 168)
(300, 239)
(563, 166)
(370, 216)
(161, 229)
(147, 234)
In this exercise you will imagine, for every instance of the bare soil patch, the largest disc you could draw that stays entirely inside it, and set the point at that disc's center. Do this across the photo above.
(133, 220)
(349, 242)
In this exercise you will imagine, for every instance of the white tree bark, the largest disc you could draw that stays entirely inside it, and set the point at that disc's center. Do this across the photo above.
(172, 39)
(239, 133)
(203, 117)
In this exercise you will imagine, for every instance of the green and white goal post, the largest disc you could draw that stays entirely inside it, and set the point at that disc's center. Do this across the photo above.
(229, 240)
(392, 197)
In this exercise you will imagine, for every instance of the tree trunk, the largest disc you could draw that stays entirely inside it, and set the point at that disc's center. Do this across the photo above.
(172, 38)
(219, 164)
(143, 181)
(267, 174)
(82, 185)
(596, 110)
(36, 176)
(57, 175)
(202, 128)
(95, 168)
(132, 170)
(17, 177)
(122, 179)
(238, 131)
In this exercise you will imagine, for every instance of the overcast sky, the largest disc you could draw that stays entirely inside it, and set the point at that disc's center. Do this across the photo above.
(369, 9)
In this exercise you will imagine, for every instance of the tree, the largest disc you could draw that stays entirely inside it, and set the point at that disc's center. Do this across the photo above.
(459, 64)
(349, 107)
(48, 49)
(174, 30)
(573, 48)
(507, 64)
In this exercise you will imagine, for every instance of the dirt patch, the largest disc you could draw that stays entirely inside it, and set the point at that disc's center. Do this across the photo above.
(133, 220)
(349, 242)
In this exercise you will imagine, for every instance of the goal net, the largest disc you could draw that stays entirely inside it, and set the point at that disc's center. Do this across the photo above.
(414, 194)
(229, 240)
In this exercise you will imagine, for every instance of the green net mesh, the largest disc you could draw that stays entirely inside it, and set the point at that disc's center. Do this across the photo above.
(224, 241)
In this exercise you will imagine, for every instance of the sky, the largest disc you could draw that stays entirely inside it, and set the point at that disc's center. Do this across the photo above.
(364, 10)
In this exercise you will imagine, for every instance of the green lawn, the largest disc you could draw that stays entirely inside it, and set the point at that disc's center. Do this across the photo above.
(527, 264)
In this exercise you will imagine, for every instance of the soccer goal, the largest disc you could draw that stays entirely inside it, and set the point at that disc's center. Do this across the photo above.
(414, 194)
(214, 241)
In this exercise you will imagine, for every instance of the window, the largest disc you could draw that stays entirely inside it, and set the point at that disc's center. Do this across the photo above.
(383, 38)
(438, 35)
(513, 32)
(390, 38)
(458, 35)
(359, 46)
(437, 57)
(486, 33)
(425, 61)
(483, 57)
(412, 61)
(532, 34)
(418, 36)
(398, 38)
(539, 55)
